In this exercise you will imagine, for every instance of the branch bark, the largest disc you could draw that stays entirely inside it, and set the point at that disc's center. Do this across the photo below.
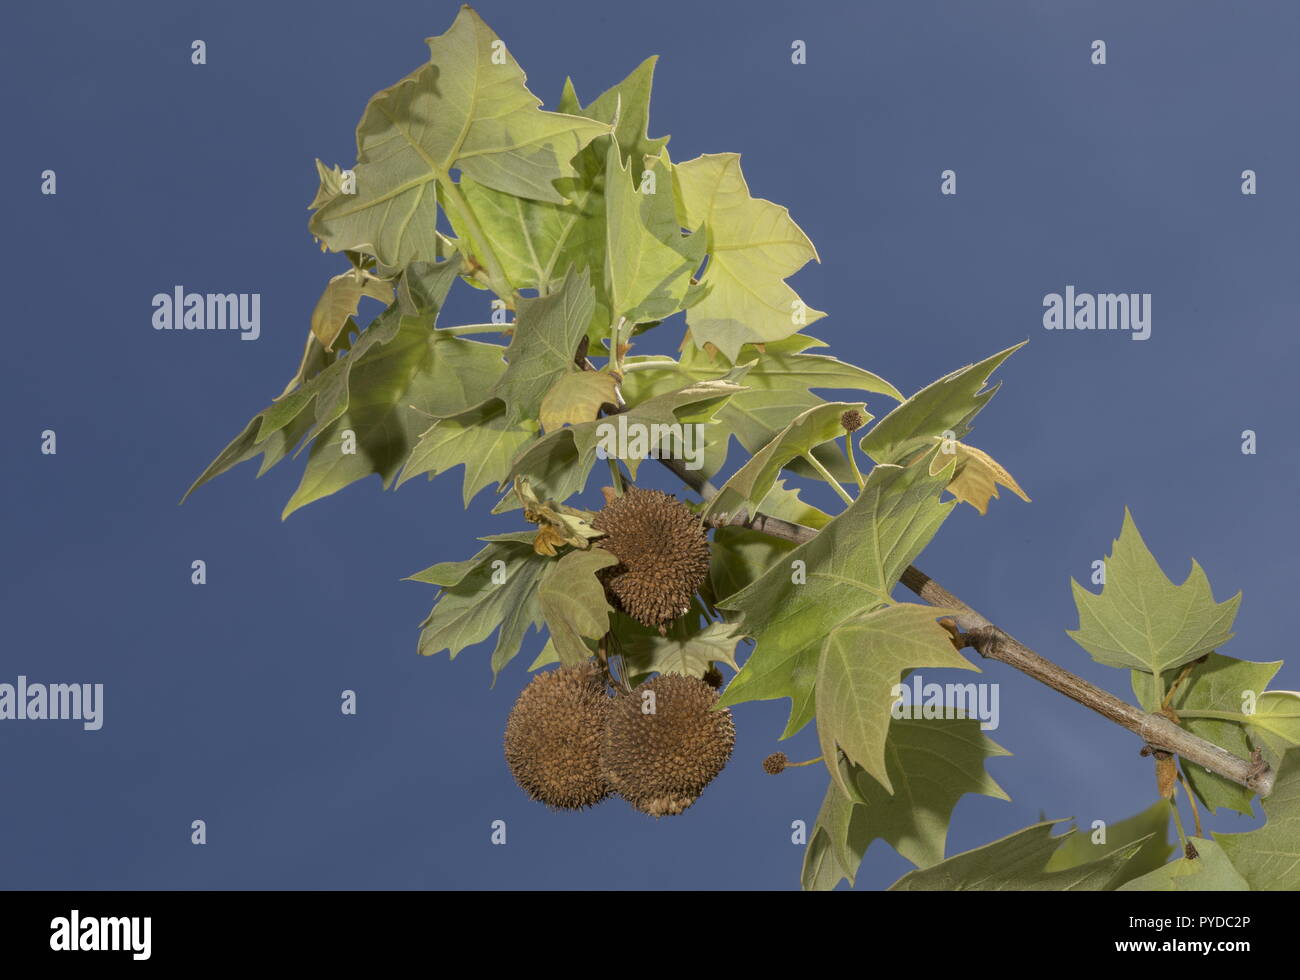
(994, 643)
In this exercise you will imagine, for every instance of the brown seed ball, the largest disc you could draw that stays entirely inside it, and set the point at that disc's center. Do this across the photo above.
(553, 734)
(775, 763)
(852, 420)
(663, 555)
(660, 762)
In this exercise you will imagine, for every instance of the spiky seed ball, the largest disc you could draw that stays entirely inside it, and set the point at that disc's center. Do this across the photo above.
(775, 763)
(663, 555)
(852, 420)
(553, 737)
(661, 760)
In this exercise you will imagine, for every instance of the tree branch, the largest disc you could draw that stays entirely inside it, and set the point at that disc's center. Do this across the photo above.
(993, 643)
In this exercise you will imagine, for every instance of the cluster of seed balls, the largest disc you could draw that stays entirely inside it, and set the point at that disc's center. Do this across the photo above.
(569, 743)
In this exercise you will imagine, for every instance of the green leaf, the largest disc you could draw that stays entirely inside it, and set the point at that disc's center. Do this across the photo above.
(931, 763)
(340, 300)
(831, 854)
(392, 391)
(494, 589)
(751, 483)
(558, 464)
(754, 245)
(687, 649)
(274, 431)
(851, 567)
(1141, 620)
(1265, 859)
(785, 503)
(542, 348)
(1269, 857)
(627, 106)
(648, 264)
(945, 406)
(1275, 725)
(861, 663)
(1016, 863)
(537, 241)
(573, 602)
(480, 439)
(547, 657)
(780, 382)
(1217, 685)
(462, 111)
(1210, 871)
(1151, 826)
(740, 555)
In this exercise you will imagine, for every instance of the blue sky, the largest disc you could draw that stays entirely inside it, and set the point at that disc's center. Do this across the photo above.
(221, 701)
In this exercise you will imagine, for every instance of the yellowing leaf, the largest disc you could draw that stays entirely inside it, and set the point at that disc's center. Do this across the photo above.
(977, 476)
(576, 397)
(557, 524)
(548, 540)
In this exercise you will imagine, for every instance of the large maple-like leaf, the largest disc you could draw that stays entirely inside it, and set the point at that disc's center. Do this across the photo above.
(932, 764)
(851, 566)
(861, 662)
(320, 392)
(467, 109)
(754, 245)
(1141, 619)
(537, 241)
(392, 392)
